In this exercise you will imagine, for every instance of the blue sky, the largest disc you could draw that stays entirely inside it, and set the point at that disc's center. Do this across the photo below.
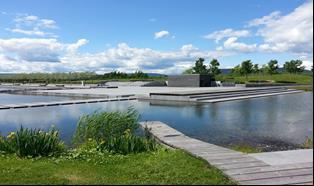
(163, 36)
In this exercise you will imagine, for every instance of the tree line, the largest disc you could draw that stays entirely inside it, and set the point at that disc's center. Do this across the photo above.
(245, 68)
(68, 77)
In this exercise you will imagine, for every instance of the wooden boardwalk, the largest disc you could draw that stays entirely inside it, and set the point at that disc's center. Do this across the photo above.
(244, 169)
(57, 103)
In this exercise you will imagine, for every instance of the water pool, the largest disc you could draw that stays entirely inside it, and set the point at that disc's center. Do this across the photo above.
(274, 123)
(17, 99)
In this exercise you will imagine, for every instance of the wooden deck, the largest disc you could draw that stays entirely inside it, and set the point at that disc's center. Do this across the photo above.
(244, 169)
(57, 103)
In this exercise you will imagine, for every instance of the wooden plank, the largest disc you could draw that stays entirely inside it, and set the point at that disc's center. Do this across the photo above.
(230, 160)
(280, 180)
(304, 183)
(242, 165)
(237, 165)
(276, 174)
(270, 169)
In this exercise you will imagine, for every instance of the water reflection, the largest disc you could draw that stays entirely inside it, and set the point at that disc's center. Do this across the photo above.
(279, 121)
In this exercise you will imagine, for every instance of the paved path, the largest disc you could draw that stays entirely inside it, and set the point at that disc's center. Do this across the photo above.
(57, 103)
(243, 168)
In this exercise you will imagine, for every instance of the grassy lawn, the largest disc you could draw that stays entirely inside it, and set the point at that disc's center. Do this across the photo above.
(277, 78)
(160, 167)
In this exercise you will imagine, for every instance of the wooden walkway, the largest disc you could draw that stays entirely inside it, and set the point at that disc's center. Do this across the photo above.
(244, 169)
(57, 103)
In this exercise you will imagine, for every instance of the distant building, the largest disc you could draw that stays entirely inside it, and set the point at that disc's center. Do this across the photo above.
(191, 80)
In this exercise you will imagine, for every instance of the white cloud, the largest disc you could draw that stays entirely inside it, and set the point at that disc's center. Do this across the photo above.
(232, 44)
(290, 33)
(221, 34)
(19, 55)
(31, 32)
(32, 50)
(161, 34)
(265, 19)
(73, 47)
(33, 26)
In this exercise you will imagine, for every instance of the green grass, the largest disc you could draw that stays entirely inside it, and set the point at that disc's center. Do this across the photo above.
(246, 149)
(308, 144)
(160, 167)
(276, 78)
(308, 88)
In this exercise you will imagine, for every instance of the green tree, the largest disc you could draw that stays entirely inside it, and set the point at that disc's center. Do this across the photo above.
(256, 69)
(236, 70)
(246, 68)
(272, 67)
(214, 67)
(200, 68)
(188, 71)
(294, 66)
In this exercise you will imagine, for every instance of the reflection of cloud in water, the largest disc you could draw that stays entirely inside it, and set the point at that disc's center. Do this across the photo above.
(283, 118)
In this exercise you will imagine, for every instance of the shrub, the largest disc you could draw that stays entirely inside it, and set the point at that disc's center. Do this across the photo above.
(113, 132)
(128, 143)
(308, 144)
(101, 126)
(32, 142)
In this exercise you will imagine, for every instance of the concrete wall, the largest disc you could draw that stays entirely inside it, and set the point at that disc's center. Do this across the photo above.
(193, 80)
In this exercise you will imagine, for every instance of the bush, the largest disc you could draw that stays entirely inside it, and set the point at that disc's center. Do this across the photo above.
(128, 143)
(32, 142)
(101, 126)
(114, 132)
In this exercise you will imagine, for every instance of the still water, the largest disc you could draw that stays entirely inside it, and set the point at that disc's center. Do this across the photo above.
(274, 123)
(18, 99)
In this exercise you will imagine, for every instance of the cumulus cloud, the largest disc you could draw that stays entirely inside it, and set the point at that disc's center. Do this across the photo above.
(290, 33)
(232, 44)
(19, 55)
(221, 34)
(31, 49)
(73, 47)
(161, 34)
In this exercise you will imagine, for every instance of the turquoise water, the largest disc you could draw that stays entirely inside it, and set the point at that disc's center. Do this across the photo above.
(277, 122)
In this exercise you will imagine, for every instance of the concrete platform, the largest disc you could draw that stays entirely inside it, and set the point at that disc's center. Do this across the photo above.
(285, 157)
(139, 91)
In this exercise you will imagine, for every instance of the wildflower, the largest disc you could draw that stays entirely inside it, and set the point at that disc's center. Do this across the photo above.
(11, 135)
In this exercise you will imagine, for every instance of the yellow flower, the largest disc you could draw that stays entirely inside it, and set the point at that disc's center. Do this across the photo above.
(11, 135)
(90, 139)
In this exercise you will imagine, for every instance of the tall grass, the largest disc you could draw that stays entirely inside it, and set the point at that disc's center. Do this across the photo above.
(113, 132)
(32, 142)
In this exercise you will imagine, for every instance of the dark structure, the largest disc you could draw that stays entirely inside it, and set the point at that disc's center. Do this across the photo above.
(193, 80)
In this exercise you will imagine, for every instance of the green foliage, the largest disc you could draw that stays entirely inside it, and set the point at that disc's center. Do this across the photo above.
(188, 71)
(214, 67)
(284, 77)
(245, 148)
(294, 66)
(48, 77)
(128, 143)
(308, 144)
(32, 142)
(256, 69)
(121, 75)
(86, 167)
(272, 67)
(200, 68)
(236, 70)
(101, 126)
(113, 132)
(246, 68)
